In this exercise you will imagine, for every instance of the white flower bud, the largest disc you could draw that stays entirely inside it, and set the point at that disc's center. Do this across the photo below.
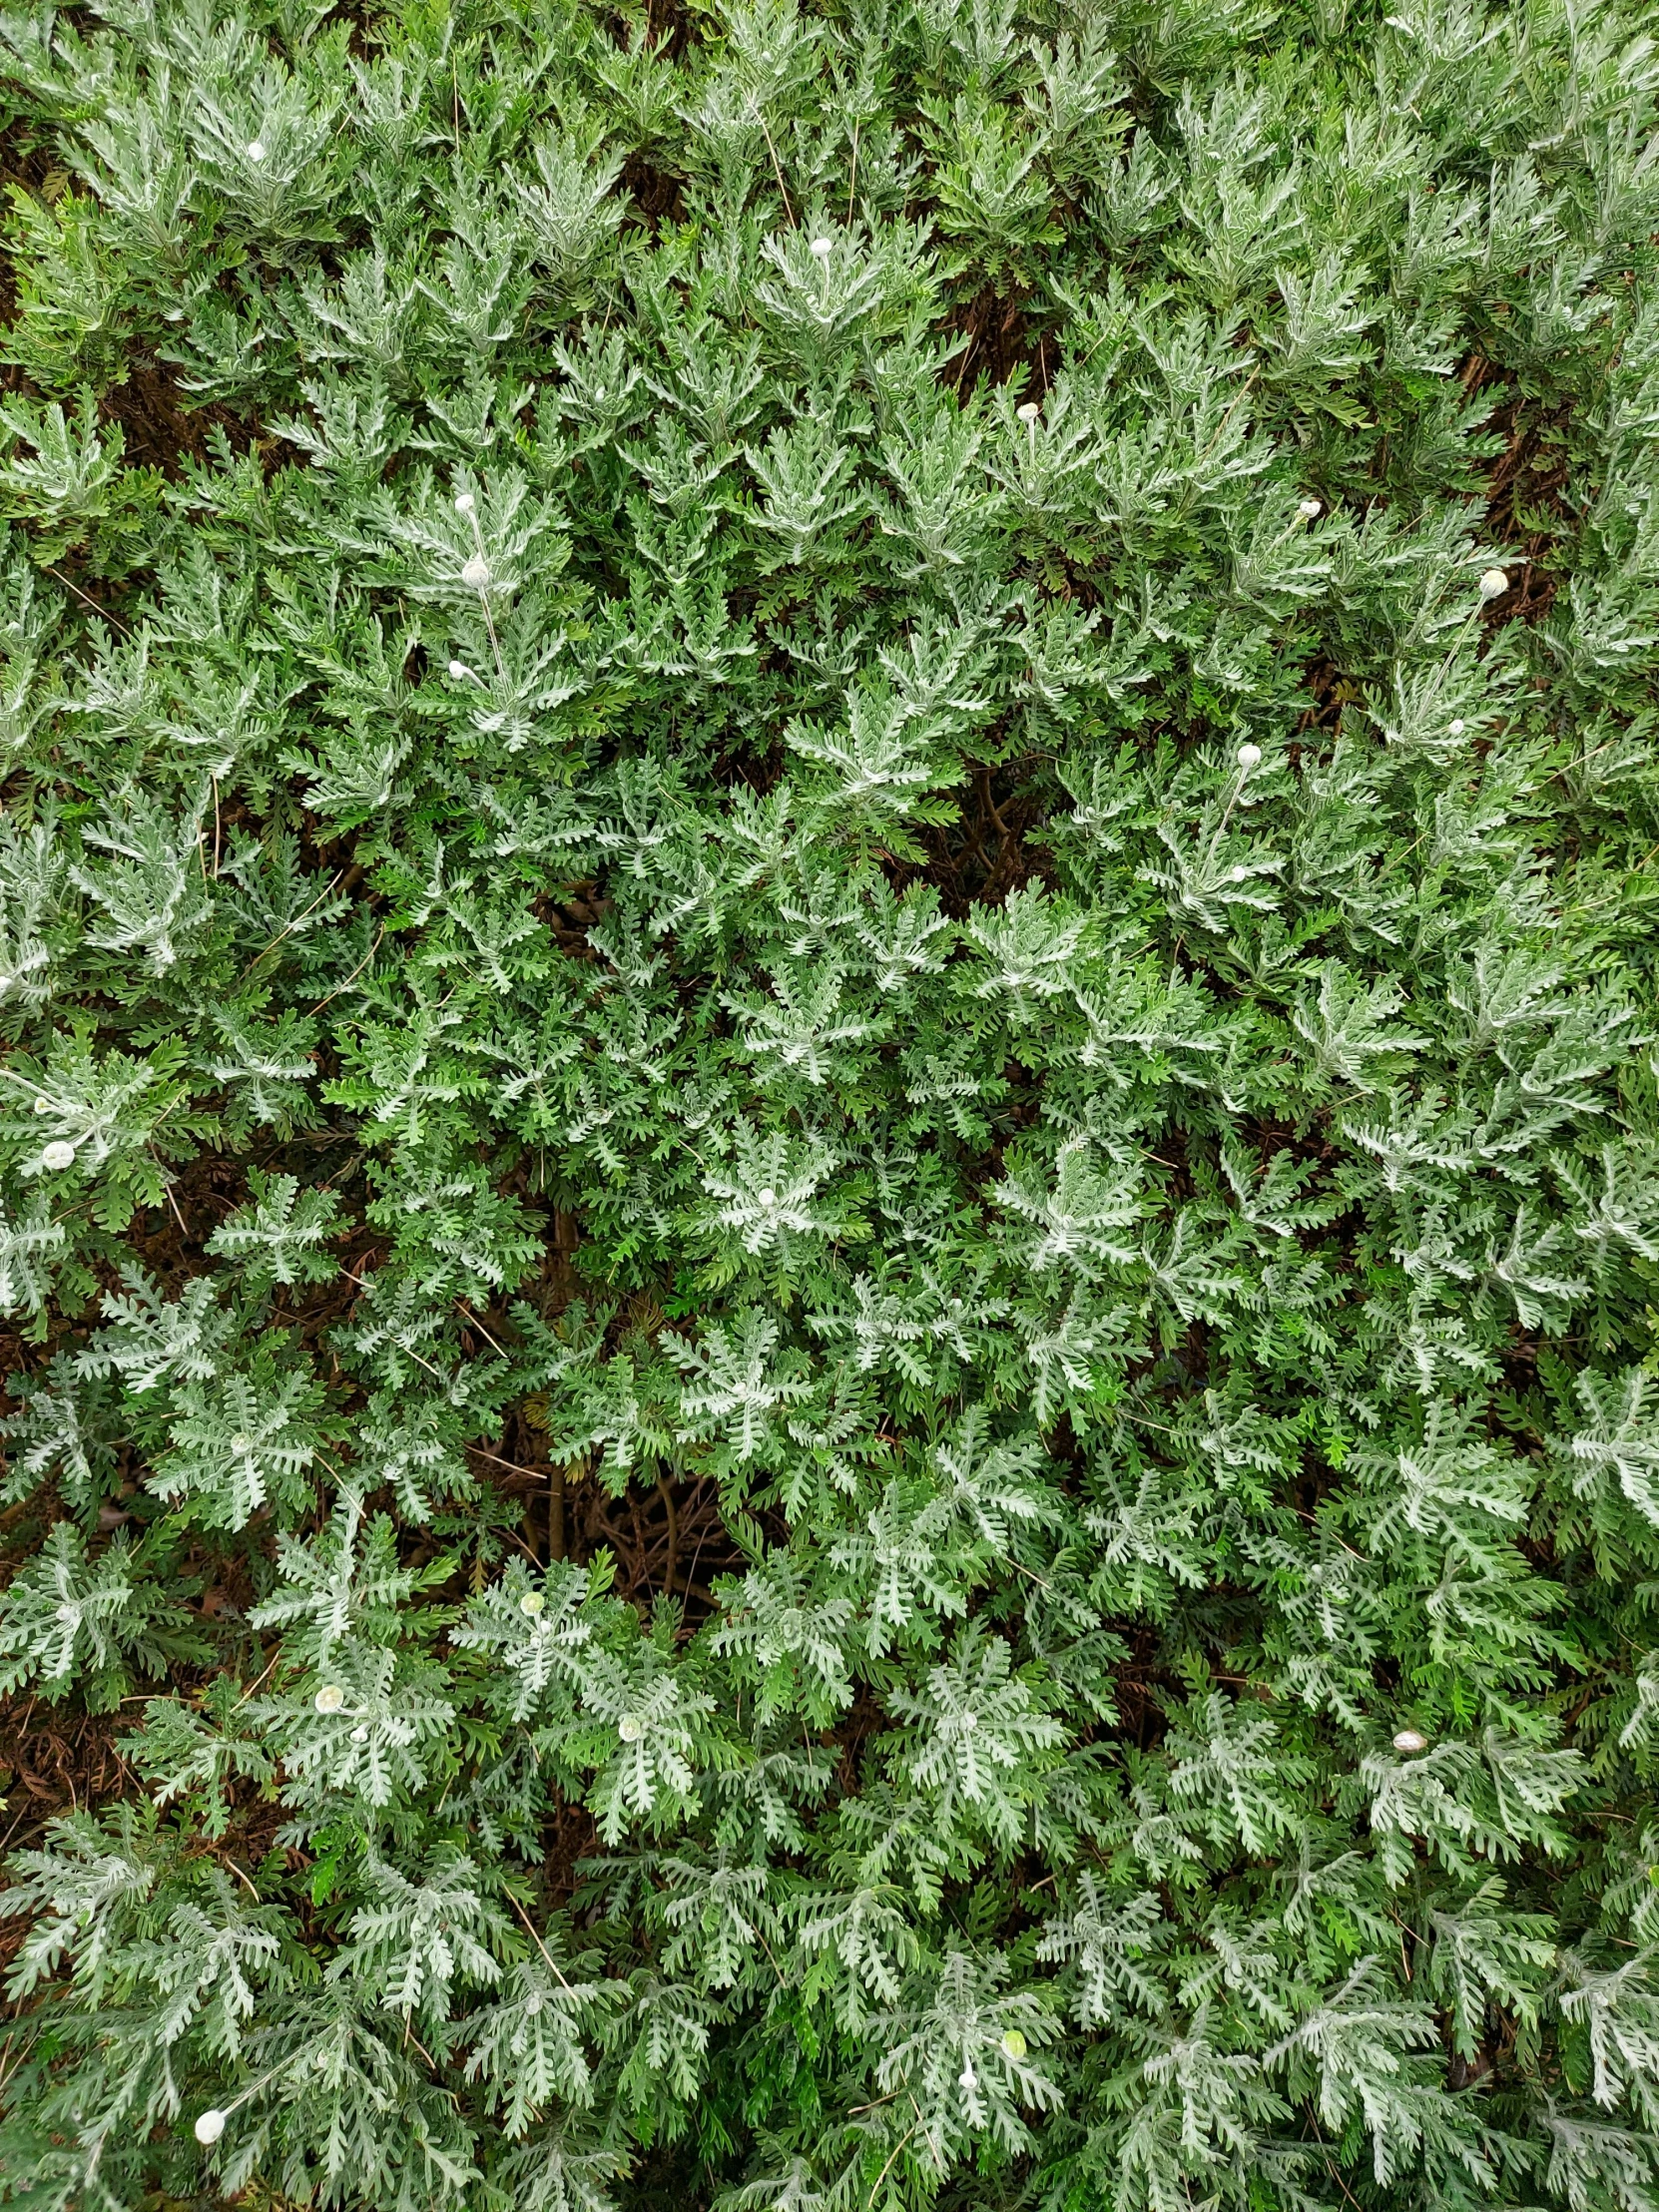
(822, 248)
(630, 1729)
(359, 1734)
(1493, 584)
(1236, 874)
(68, 1613)
(477, 574)
(1249, 756)
(210, 2126)
(255, 152)
(1013, 2042)
(1457, 726)
(1029, 412)
(769, 1198)
(970, 1721)
(43, 1105)
(459, 670)
(1308, 509)
(968, 2077)
(57, 1157)
(330, 1698)
(239, 1442)
(532, 1603)
(463, 502)
(1409, 1740)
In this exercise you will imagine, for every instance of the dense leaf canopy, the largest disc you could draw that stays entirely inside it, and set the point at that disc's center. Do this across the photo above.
(828, 1142)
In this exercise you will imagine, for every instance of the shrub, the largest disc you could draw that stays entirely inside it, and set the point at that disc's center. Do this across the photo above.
(829, 1152)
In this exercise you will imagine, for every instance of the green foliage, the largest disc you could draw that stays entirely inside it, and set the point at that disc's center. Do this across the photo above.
(884, 781)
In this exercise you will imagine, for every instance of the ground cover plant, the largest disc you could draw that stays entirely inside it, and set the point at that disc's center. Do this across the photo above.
(829, 1141)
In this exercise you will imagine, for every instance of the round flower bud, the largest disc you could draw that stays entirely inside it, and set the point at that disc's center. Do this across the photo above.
(359, 1734)
(1029, 412)
(822, 248)
(1493, 584)
(629, 1728)
(210, 2126)
(255, 152)
(1013, 2042)
(1308, 509)
(769, 1198)
(1236, 874)
(532, 1603)
(532, 2005)
(970, 1721)
(239, 1442)
(1249, 756)
(463, 502)
(57, 1157)
(477, 574)
(968, 2077)
(330, 1698)
(1409, 1740)
(1457, 726)
(458, 670)
(67, 1613)
(43, 1105)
